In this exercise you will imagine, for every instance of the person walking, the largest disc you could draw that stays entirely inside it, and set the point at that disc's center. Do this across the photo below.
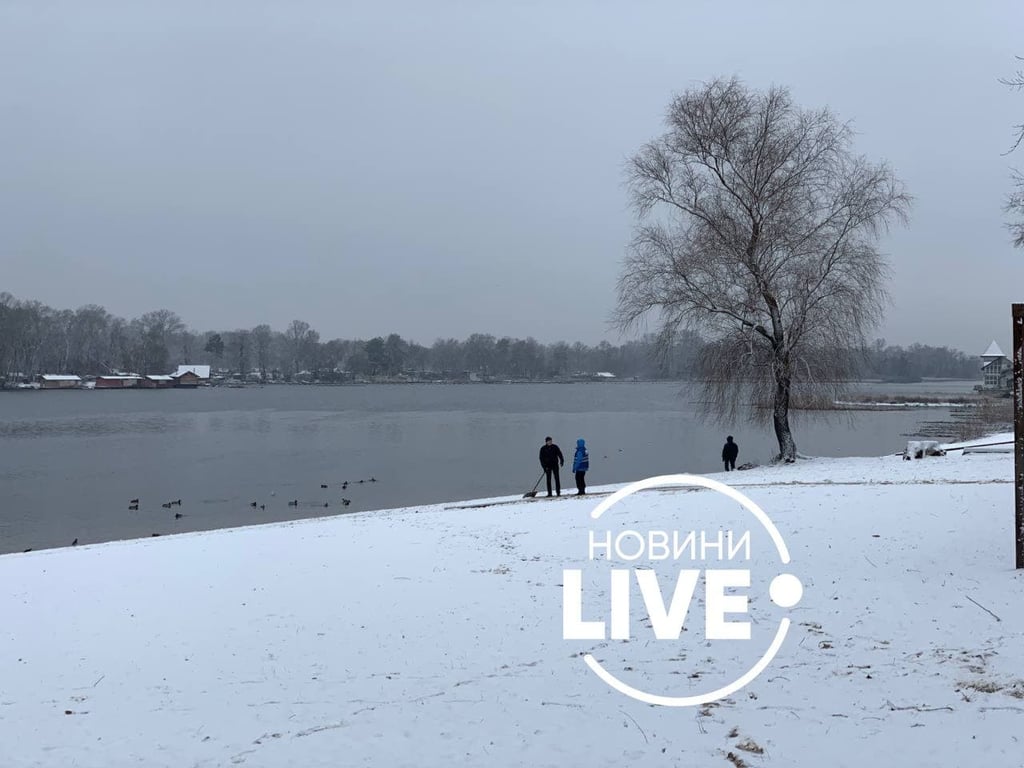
(580, 465)
(550, 460)
(729, 453)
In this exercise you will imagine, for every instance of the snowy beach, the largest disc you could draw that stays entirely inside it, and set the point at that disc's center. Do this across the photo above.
(432, 636)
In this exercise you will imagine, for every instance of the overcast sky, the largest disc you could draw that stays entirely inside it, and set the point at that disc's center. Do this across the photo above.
(434, 168)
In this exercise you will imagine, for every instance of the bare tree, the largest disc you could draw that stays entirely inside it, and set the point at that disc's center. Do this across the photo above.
(262, 337)
(156, 330)
(296, 339)
(757, 226)
(1015, 200)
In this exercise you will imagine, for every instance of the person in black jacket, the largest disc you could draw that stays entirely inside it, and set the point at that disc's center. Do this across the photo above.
(729, 453)
(550, 460)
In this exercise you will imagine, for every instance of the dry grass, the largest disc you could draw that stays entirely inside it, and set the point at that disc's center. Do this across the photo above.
(749, 745)
(1014, 688)
(984, 686)
(991, 415)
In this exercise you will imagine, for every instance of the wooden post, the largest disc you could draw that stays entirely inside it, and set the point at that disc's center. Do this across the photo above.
(1018, 428)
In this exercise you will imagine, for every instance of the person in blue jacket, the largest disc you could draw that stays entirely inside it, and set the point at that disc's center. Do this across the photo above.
(580, 465)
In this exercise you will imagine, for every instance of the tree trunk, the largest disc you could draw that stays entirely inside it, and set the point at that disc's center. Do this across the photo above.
(787, 446)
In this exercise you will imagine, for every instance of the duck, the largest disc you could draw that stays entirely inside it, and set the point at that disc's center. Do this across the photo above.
(178, 515)
(253, 504)
(133, 507)
(134, 501)
(346, 502)
(293, 503)
(74, 543)
(166, 505)
(323, 485)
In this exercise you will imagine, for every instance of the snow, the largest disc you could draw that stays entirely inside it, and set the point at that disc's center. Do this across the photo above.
(880, 404)
(920, 449)
(59, 377)
(431, 636)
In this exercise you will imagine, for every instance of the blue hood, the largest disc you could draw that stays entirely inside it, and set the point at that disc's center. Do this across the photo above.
(580, 443)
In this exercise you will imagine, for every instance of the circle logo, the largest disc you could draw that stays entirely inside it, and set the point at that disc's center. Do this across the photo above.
(785, 589)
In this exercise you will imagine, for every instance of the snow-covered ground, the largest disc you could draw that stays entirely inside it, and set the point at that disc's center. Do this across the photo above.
(433, 637)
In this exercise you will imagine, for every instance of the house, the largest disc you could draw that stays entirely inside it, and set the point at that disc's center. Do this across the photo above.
(155, 381)
(996, 370)
(599, 376)
(191, 375)
(119, 381)
(59, 381)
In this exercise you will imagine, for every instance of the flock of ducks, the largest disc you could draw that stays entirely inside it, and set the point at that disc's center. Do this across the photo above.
(133, 504)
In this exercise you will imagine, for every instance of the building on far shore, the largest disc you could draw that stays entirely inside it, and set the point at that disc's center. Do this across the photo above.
(157, 381)
(119, 381)
(599, 376)
(59, 381)
(996, 370)
(191, 375)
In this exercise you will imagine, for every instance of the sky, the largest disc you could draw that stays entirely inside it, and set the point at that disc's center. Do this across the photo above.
(440, 168)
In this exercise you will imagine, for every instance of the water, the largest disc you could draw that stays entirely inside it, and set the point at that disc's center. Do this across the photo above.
(71, 461)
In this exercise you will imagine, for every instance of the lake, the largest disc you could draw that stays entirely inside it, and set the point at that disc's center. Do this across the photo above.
(71, 461)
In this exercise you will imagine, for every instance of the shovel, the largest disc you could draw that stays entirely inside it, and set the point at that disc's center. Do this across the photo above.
(531, 494)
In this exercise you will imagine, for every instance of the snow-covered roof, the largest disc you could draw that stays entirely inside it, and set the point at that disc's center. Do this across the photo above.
(159, 377)
(993, 351)
(202, 371)
(605, 375)
(59, 377)
(119, 377)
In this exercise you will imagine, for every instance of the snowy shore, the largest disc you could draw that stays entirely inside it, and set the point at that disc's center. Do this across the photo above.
(432, 636)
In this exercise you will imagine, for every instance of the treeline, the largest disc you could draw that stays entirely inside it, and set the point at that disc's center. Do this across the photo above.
(918, 361)
(35, 338)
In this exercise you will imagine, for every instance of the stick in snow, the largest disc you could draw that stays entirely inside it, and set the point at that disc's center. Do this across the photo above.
(646, 741)
(986, 610)
(916, 708)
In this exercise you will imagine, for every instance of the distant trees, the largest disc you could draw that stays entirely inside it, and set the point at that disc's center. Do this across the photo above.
(89, 339)
(262, 338)
(215, 346)
(156, 331)
(302, 343)
(758, 227)
(35, 339)
(894, 363)
(394, 354)
(239, 346)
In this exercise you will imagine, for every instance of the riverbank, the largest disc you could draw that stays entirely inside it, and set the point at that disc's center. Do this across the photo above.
(431, 636)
